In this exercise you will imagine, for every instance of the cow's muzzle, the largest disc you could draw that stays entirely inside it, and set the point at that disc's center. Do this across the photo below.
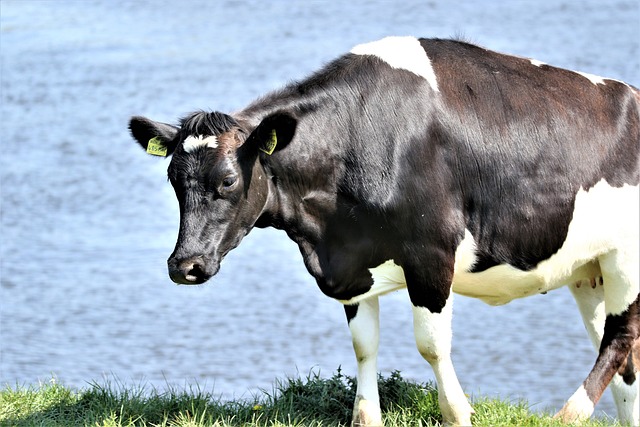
(191, 271)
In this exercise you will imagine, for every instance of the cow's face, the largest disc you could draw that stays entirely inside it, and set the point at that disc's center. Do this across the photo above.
(221, 196)
(221, 187)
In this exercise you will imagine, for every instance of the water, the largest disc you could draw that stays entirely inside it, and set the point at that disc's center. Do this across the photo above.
(88, 219)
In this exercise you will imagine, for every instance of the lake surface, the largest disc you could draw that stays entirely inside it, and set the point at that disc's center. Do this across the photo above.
(88, 220)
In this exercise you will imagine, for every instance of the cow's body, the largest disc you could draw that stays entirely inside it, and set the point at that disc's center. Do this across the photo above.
(431, 165)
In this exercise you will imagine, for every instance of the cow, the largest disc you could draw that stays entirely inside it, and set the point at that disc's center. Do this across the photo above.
(433, 165)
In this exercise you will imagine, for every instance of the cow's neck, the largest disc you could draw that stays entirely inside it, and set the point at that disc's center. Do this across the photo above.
(303, 201)
(303, 198)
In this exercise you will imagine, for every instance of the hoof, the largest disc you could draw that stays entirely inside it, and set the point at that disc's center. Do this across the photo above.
(366, 414)
(572, 413)
(362, 420)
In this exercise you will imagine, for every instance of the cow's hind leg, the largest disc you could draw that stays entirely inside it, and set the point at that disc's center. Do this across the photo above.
(621, 330)
(590, 299)
(433, 338)
(626, 389)
(364, 326)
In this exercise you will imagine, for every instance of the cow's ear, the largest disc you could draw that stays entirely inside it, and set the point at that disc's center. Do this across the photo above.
(274, 133)
(156, 138)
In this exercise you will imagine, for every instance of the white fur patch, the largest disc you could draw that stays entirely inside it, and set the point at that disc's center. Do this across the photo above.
(591, 305)
(193, 142)
(433, 338)
(627, 398)
(596, 80)
(465, 253)
(401, 52)
(365, 332)
(387, 277)
(605, 227)
(579, 407)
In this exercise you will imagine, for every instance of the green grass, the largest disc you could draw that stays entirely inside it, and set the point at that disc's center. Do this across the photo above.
(310, 401)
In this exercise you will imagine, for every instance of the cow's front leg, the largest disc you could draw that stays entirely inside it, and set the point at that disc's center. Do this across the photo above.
(433, 338)
(364, 327)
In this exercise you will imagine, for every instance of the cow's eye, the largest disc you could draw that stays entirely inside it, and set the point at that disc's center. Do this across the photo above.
(229, 181)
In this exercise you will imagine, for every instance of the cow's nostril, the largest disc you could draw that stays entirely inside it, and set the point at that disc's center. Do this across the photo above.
(195, 273)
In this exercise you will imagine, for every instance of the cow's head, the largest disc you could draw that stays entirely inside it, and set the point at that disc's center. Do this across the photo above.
(222, 187)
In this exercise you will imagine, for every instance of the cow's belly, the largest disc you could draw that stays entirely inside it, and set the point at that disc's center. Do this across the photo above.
(605, 219)
(496, 286)
(504, 283)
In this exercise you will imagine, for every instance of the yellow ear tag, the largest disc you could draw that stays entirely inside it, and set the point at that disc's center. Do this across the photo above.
(156, 147)
(270, 144)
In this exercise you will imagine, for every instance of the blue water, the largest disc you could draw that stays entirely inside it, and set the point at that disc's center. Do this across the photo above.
(88, 220)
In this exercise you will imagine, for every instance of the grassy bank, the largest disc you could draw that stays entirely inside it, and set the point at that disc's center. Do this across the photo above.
(310, 401)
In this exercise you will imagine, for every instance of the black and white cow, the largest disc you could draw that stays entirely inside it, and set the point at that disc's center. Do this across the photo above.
(434, 165)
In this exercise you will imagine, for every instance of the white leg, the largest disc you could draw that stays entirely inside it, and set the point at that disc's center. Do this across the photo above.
(589, 297)
(627, 400)
(365, 332)
(433, 338)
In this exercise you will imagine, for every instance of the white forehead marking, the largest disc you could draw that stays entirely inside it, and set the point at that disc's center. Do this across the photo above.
(401, 52)
(192, 142)
(537, 63)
